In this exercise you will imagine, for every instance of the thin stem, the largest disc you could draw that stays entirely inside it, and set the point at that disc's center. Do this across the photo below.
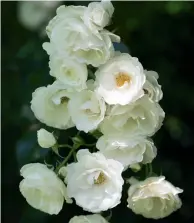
(65, 145)
(74, 156)
(66, 159)
(146, 170)
(150, 169)
(109, 216)
(94, 149)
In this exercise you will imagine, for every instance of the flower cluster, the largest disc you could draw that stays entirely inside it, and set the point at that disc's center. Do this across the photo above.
(97, 89)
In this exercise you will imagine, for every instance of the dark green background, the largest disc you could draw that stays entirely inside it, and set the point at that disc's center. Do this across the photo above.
(161, 35)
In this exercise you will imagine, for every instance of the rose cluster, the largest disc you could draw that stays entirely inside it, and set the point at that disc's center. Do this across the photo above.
(97, 88)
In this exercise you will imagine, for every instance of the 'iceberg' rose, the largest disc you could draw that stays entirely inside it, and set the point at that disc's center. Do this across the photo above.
(69, 36)
(120, 80)
(94, 181)
(71, 73)
(143, 117)
(87, 110)
(93, 218)
(45, 138)
(127, 150)
(42, 188)
(154, 198)
(151, 86)
(49, 105)
(33, 14)
(98, 14)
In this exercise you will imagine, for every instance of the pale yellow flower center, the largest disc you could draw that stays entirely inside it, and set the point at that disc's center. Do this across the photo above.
(101, 179)
(121, 78)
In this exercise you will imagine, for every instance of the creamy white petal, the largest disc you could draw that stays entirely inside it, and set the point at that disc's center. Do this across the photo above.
(71, 73)
(143, 117)
(97, 15)
(87, 110)
(33, 14)
(120, 80)
(154, 198)
(127, 150)
(49, 105)
(45, 138)
(42, 188)
(151, 86)
(94, 218)
(94, 181)
(70, 37)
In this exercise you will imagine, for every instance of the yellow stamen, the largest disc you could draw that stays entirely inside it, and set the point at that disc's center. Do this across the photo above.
(121, 78)
(100, 180)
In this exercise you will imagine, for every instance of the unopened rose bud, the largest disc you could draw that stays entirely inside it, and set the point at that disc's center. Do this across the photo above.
(45, 138)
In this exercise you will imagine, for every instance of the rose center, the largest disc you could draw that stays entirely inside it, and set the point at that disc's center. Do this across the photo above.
(101, 179)
(69, 73)
(121, 78)
(64, 100)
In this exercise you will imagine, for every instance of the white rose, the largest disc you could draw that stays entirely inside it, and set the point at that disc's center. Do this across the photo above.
(120, 80)
(98, 14)
(45, 138)
(154, 198)
(94, 181)
(87, 110)
(34, 14)
(42, 189)
(127, 150)
(143, 117)
(151, 86)
(94, 218)
(69, 36)
(71, 73)
(49, 105)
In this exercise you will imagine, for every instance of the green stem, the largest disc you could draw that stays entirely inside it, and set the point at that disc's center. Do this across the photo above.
(146, 170)
(65, 145)
(150, 169)
(67, 158)
(74, 156)
(94, 149)
(109, 216)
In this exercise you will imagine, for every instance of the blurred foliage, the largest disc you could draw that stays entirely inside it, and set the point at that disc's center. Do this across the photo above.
(161, 35)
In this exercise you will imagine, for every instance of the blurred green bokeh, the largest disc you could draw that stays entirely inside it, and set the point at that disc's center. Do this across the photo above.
(161, 35)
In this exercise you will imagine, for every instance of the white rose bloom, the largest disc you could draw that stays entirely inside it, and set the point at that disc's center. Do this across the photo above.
(120, 80)
(143, 117)
(45, 138)
(49, 105)
(71, 73)
(69, 36)
(33, 14)
(127, 150)
(151, 86)
(94, 181)
(42, 189)
(93, 218)
(154, 198)
(98, 14)
(87, 110)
